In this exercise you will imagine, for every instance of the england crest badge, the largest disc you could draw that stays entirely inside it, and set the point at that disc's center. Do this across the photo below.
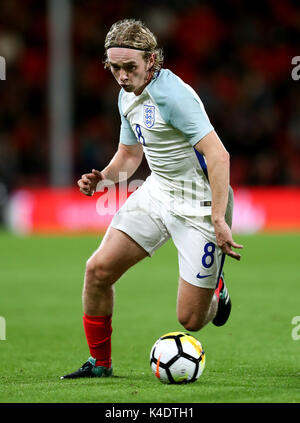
(149, 115)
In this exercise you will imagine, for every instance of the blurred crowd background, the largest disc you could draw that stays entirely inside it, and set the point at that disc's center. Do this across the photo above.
(236, 55)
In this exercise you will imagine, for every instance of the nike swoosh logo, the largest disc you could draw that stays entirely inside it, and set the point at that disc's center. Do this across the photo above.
(204, 276)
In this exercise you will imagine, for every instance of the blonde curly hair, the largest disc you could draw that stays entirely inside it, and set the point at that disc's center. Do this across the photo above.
(131, 33)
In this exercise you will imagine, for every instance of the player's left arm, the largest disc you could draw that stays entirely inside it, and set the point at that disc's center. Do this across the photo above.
(218, 159)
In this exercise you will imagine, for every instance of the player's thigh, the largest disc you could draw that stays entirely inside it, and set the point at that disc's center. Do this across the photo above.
(200, 259)
(116, 254)
(193, 303)
(136, 231)
(140, 218)
(200, 264)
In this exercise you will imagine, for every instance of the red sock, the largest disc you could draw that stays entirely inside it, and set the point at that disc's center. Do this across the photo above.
(98, 335)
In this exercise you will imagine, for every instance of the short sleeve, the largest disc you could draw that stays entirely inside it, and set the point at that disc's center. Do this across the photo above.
(127, 135)
(180, 106)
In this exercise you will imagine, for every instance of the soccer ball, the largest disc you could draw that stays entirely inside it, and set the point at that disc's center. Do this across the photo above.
(177, 357)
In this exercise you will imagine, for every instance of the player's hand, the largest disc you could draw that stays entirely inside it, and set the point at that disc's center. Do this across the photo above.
(88, 182)
(225, 241)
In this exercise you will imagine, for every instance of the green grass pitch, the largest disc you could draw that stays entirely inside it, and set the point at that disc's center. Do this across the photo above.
(253, 358)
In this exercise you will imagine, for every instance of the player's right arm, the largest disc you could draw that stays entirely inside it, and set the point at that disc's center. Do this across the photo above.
(126, 161)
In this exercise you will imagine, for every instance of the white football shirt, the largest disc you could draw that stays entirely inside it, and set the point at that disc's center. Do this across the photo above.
(168, 119)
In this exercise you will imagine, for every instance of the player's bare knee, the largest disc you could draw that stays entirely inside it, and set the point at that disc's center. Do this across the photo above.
(98, 274)
(193, 326)
(190, 323)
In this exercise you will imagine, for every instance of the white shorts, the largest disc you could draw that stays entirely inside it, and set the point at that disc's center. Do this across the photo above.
(148, 223)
